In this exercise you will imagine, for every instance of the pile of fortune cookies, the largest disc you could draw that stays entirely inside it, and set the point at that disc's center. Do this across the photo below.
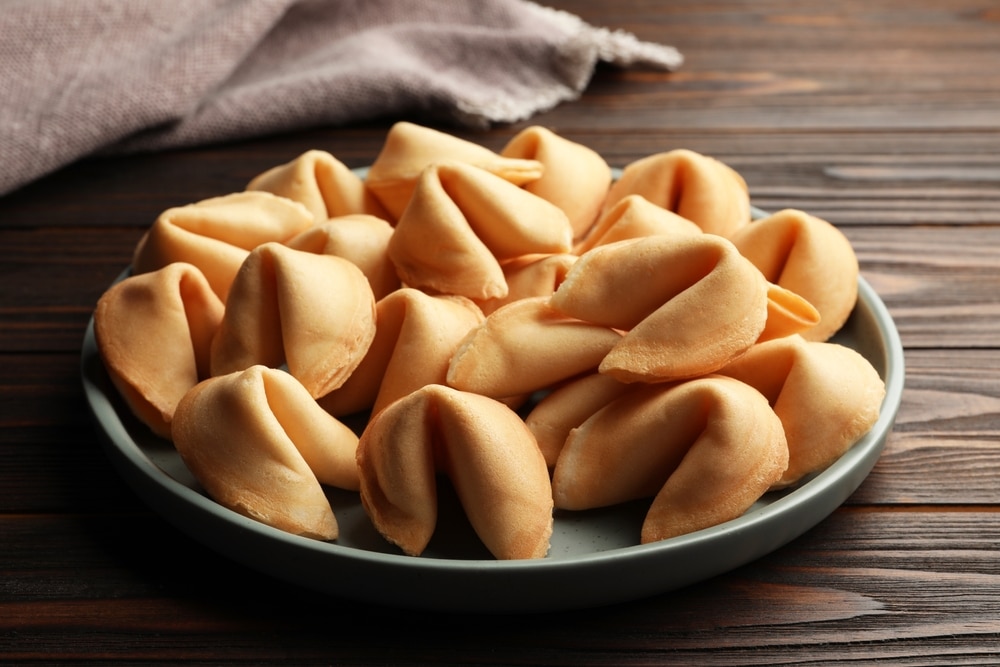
(520, 324)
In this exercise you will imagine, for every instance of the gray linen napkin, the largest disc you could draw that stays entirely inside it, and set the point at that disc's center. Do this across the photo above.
(109, 76)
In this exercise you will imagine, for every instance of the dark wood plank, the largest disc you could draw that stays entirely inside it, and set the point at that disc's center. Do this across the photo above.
(60, 275)
(939, 284)
(943, 447)
(51, 456)
(771, 65)
(863, 585)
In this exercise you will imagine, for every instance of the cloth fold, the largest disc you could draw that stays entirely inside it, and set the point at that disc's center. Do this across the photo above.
(106, 76)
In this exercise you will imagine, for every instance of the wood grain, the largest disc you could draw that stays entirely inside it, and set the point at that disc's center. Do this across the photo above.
(881, 116)
(864, 585)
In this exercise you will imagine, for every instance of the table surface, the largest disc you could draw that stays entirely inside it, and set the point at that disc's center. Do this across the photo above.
(880, 116)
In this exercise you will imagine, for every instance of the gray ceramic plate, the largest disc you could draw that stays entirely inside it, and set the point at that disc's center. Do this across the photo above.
(595, 557)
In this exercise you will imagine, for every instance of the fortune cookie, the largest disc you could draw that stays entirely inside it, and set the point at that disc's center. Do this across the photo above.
(416, 335)
(697, 187)
(566, 407)
(808, 256)
(575, 178)
(481, 446)
(825, 394)
(322, 183)
(689, 305)
(410, 148)
(154, 332)
(313, 313)
(217, 234)
(531, 275)
(706, 450)
(787, 314)
(361, 239)
(259, 445)
(633, 217)
(462, 222)
(527, 346)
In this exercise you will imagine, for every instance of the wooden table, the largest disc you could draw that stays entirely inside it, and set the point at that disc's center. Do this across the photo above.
(881, 116)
